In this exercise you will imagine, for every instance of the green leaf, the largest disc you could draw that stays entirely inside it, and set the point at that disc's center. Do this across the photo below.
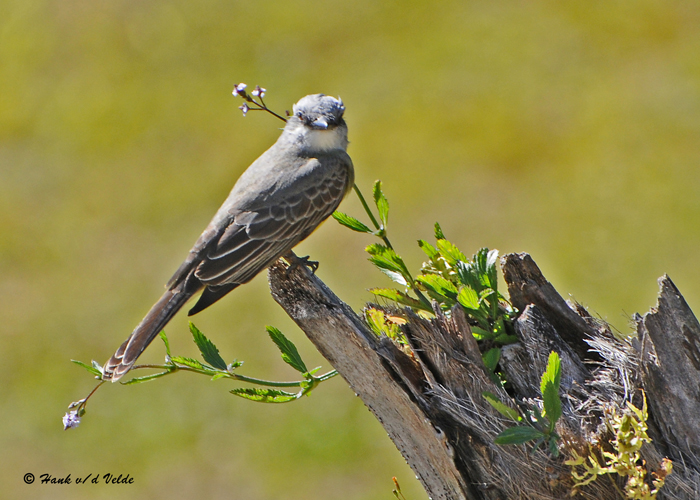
(502, 408)
(351, 222)
(469, 299)
(485, 267)
(92, 369)
(389, 263)
(450, 252)
(439, 235)
(491, 268)
(429, 249)
(505, 339)
(209, 351)
(290, 355)
(518, 435)
(468, 275)
(219, 375)
(553, 448)
(491, 358)
(164, 338)
(192, 363)
(264, 395)
(147, 378)
(549, 385)
(382, 203)
(400, 297)
(439, 288)
(480, 333)
(376, 320)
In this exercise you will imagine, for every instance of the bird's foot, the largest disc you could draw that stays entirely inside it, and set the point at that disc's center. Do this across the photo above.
(295, 261)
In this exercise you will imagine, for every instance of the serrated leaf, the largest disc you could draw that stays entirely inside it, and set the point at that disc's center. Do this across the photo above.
(491, 358)
(164, 338)
(468, 275)
(290, 355)
(549, 386)
(192, 363)
(429, 249)
(96, 372)
(382, 203)
(389, 263)
(146, 378)
(400, 297)
(209, 351)
(469, 298)
(492, 269)
(439, 235)
(264, 395)
(351, 222)
(439, 288)
(484, 268)
(502, 408)
(376, 249)
(394, 276)
(450, 252)
(518, 435)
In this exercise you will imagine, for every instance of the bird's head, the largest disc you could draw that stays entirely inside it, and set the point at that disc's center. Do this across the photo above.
(318, 119)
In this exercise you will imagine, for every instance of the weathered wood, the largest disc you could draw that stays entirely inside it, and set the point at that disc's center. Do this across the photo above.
(538, 338)
(527, 285)
(343, 339)
(431, 404)
(669, 338)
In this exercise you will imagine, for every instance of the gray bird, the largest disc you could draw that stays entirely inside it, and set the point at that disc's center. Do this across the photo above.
(277, 202)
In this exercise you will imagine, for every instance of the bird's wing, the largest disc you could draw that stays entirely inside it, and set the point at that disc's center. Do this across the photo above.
(267, 229)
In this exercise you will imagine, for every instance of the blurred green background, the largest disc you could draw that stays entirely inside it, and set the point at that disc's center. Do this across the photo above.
(570, 130)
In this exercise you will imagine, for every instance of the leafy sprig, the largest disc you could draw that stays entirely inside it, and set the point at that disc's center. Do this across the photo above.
(448, 277)
(536, 425)
(214, 366)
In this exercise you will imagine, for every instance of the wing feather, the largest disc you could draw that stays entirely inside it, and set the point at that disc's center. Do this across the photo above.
(259, 235)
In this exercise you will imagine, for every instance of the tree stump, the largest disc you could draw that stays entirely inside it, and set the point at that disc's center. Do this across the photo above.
(430, 402)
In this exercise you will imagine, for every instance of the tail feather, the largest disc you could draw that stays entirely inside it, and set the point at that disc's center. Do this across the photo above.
(159, 315)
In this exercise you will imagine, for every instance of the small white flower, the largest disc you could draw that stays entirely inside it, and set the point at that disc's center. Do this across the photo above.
(238, 89)
(244, 107)
(71, 420)
(259, 91)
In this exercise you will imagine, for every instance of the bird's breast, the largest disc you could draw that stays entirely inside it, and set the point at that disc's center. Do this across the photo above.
(325, 140)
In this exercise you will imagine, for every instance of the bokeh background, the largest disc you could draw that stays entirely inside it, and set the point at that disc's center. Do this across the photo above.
(570, 130)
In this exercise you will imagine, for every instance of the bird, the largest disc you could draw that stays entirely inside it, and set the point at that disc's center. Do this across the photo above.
(280, 199)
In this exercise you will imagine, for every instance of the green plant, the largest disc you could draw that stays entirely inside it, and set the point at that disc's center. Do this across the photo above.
(630, 431)
(447, 277)
(537, 426)
(215, 367)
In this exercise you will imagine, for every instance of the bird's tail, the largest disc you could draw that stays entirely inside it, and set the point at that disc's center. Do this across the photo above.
(159, 315)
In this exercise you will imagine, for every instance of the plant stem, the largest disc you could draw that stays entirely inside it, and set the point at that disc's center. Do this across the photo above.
(415, 289)
(263, 107)
(234, 376)
(371, 215)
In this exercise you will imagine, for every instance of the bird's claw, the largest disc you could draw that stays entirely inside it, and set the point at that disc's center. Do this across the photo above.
(295, 261)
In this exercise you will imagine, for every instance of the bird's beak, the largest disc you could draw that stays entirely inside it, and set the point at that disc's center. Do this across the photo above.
(321, 123)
